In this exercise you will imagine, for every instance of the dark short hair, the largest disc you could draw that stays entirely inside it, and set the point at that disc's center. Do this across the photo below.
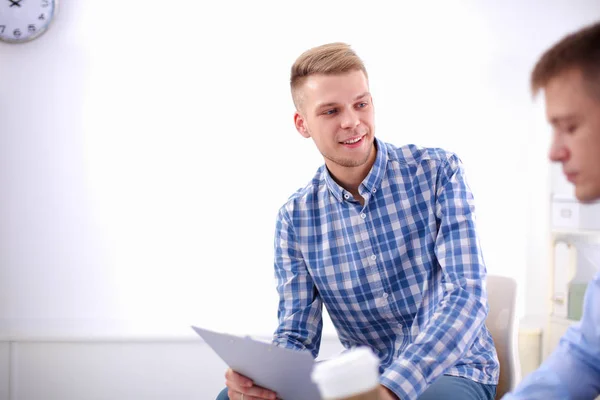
(580, 49)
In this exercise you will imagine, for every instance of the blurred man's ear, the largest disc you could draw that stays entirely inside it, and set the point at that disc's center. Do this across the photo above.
(300, 124)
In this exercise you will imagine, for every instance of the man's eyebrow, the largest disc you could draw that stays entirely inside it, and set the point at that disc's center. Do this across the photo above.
(561, 119)
(362, 96)
(323, 105)
(331, 104)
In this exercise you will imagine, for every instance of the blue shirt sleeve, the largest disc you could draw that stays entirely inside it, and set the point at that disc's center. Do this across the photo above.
(300, 306)
(573, 370)
(461, 313)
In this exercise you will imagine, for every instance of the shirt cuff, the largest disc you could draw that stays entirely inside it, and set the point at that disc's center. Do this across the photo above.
(404, 379)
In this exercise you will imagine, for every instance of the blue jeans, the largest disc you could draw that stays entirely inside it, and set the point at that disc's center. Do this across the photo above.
(444, 388)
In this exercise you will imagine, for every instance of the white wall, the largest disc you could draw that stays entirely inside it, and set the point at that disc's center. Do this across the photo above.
(4, 370)
(115, 370)
(146, 148)
(107, 369)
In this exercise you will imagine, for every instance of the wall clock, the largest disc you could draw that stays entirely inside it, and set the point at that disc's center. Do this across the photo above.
(25, 20)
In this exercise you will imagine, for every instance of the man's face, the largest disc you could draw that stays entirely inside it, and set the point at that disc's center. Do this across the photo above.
(337, 112)
(575, 116)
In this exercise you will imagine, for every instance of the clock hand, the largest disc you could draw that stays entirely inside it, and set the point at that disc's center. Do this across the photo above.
(14, 3)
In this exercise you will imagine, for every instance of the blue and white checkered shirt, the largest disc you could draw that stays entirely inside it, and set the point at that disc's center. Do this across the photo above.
(402, 274)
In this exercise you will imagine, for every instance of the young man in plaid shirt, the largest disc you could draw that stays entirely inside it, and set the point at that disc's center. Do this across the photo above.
(385, 238)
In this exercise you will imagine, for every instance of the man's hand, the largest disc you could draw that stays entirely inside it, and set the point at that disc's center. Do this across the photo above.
(386, 394)
(239, 385)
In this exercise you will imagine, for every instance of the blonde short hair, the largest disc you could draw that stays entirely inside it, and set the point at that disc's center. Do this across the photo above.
(328, 59)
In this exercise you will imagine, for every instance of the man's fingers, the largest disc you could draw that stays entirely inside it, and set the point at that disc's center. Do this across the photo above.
(233, 395)
(254, 392)
(260, 393)
(238, 379)
(238, 384)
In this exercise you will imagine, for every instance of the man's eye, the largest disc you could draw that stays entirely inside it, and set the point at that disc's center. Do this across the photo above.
(571, 129)
(330, 112)
(362, 105)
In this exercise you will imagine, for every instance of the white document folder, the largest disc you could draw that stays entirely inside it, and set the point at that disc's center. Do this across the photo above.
(284, 371)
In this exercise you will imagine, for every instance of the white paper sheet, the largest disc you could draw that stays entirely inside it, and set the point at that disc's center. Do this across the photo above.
(284, 371)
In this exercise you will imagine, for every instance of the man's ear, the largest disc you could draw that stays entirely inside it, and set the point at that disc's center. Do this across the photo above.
(300, 124)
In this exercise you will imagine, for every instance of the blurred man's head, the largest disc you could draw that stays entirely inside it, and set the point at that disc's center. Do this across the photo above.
(569, 74)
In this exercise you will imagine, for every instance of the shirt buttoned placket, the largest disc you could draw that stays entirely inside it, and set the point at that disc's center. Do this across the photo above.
(370, 255)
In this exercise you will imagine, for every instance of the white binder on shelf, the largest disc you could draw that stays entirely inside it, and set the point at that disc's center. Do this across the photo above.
(563, 272)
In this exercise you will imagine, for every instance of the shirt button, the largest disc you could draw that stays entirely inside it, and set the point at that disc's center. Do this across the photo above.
(374, 190)
(385, 295)
(346, 196)
(373, 257)
(363, 215)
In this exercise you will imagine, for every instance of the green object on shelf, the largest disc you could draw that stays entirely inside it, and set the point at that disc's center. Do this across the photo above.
(576, 294)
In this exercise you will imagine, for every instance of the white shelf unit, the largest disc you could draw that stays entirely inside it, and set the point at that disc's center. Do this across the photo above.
(570, 224)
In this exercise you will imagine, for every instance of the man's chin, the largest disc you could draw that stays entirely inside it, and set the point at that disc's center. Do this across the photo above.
(587, 194)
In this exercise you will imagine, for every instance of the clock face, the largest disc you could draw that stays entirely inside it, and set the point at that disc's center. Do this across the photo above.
(23, 20)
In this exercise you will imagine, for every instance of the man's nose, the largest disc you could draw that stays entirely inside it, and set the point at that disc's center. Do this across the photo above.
(558, 151)
(350, 120)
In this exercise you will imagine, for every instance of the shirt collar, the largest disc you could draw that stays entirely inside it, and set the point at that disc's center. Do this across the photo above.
(371, 182)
